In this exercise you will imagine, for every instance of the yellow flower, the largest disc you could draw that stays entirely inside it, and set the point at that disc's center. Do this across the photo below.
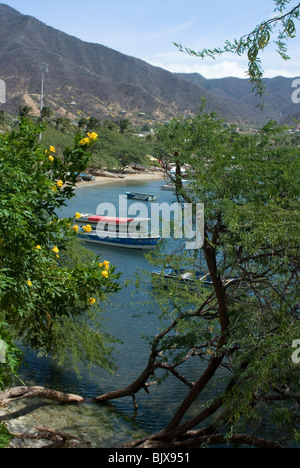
(51, 158)
(100, 265)
(84, 141)
(59, 183)
(105, 274)
(29, 283)
(52, 149)
(54, 188)
(106, 263)
(55, 250)
(76, 228)
(38, 247)
(91, 301)
(92, 136)
(87, 228)
(77, 215)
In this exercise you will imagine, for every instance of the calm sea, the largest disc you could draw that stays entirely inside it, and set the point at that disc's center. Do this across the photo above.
(115, 422)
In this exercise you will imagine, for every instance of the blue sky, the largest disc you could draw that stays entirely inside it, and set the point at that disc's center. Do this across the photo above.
(147, 29)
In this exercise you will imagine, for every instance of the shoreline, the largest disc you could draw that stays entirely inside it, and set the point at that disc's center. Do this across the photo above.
(101, 180)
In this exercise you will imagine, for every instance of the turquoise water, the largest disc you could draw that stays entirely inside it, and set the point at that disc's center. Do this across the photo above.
(115, 422)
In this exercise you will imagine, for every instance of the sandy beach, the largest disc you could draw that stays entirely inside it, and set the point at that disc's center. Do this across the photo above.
(143, 176)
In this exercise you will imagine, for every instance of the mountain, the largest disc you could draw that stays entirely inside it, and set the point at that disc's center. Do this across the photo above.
(91, 79)
(278, 104)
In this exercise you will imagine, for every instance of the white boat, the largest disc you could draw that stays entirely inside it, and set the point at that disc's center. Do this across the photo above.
(184, 275)
(120, 232)
(140, 196)
(169, 187)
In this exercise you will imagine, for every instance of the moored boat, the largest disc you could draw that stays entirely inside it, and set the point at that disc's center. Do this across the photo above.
(116, 231)
(169, 187)
(140, 196)
(172, 188)
(184, 275)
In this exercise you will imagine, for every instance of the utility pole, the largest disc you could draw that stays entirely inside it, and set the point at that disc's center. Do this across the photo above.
(2, 92)
(44, 69)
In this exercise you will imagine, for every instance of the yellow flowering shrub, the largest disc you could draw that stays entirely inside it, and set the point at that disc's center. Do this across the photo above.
(45, 304)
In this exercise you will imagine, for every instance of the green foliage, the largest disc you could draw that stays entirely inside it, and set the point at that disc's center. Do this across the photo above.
(5, 436)
(11, 362)
(115, 149)
(45, 294)
(112, 150)
(254, 43)
(243, 325)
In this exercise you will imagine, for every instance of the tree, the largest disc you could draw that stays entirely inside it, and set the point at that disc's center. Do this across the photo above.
(254, 43)
(50, 288)
(63, 124)
(2, 117)
(82, 122)
(238, 330)
(46, 113)
(24, 112)
(124, 125)
(92, 124)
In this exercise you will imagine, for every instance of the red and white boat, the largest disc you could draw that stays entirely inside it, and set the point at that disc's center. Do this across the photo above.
(120, 232)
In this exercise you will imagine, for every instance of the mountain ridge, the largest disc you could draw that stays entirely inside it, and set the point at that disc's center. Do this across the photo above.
(102, 81)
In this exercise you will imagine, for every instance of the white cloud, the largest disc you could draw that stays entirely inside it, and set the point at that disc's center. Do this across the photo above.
(224, 66)
(182, 63)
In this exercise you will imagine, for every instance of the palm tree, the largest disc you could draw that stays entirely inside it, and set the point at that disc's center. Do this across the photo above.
(24, 112)
(46, 113)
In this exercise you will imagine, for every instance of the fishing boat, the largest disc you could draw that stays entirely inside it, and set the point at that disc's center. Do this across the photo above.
(140, 196)
(131, 233)
(168, 187)
(184, 275)
(172, 188)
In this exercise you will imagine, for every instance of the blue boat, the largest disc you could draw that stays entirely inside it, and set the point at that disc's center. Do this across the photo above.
(130, 233)
(85, 177)
(127, 242)
(140, 196)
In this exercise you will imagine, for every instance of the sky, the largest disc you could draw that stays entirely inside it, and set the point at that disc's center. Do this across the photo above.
(147, 29)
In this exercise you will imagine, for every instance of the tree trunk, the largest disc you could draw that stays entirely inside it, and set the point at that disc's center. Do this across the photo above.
(18, 393)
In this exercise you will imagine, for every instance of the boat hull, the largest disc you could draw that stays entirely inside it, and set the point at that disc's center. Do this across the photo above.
(184, 276)
(168, 188)
(140, 196)
(119, 232)
(129, 243)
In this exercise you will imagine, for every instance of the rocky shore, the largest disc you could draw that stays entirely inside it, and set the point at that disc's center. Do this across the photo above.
(27, 422)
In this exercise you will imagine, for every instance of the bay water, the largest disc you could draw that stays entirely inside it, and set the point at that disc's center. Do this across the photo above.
(126, 317)
(115, 422)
